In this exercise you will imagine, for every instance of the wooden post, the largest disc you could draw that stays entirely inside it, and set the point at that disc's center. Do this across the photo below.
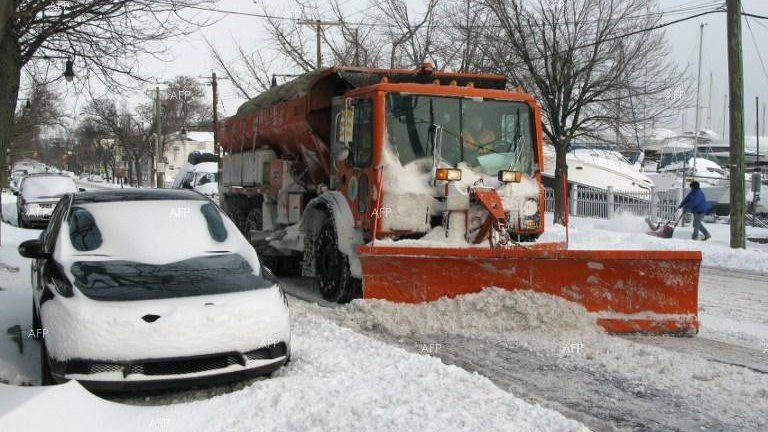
(736, 127)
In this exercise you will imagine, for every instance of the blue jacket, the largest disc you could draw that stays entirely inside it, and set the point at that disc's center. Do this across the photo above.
(695, 201)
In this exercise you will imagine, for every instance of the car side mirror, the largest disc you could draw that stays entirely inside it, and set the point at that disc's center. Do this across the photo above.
(16, 193)
(33, 249)
(81, 189)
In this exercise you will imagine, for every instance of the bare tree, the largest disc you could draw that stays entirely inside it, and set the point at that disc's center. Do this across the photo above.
(591, 64)
(456, 44)
(101, 37)
(125, 132)
(411, 38)
(41, 109)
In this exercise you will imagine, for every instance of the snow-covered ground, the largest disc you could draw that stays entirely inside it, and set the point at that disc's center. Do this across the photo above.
(340, 378)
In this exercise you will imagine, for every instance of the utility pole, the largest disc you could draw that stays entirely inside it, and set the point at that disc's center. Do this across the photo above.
(318, 34)
(155, 179)
(757, 132)
(213, 82)
(698, 102)
(736, 89)
(215, 88)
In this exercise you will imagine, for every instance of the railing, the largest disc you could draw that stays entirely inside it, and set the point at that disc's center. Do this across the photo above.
(605, 204)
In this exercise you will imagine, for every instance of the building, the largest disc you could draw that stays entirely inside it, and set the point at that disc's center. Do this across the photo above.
(179, 145)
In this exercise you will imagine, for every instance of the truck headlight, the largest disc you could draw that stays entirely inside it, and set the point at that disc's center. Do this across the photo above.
(510, 176)
(530, 207)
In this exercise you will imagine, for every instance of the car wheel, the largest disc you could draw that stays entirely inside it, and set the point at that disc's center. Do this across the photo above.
(19, 221)
(45, 367)
(335, 280)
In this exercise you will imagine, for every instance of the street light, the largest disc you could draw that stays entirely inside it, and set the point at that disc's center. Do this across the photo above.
(69, 74)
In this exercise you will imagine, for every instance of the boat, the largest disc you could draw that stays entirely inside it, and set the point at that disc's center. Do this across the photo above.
(600, 167)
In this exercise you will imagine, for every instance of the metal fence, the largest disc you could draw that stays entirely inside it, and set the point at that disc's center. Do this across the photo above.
(605, 204)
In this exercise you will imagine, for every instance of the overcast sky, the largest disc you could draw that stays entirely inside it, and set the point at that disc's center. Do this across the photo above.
(190, 56)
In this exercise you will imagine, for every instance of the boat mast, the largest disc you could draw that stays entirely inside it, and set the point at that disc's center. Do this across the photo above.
(709, 104)
(698, 102)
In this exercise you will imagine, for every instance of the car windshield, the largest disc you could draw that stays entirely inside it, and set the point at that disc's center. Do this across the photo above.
(120, 280)
(148, 230)
(47, 187)
(132, 250)
(491, 135)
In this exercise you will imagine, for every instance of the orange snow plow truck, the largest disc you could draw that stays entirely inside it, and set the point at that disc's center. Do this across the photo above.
(410, 185)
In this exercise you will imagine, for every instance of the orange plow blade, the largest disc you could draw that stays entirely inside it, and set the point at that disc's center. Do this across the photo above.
(630, 291)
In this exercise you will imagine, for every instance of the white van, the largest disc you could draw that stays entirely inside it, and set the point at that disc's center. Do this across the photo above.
(202, 177)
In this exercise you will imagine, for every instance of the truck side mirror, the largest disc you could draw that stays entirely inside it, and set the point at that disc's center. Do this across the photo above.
(340, 151)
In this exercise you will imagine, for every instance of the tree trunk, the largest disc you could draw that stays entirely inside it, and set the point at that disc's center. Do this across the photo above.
(10, 65)
(137, 166)
(561, 172)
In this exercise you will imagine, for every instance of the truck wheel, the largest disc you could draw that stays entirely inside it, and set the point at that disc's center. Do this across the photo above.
(335, 280)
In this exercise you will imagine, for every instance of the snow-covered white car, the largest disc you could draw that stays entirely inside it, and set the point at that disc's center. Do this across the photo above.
(38, 195)
(152, 288)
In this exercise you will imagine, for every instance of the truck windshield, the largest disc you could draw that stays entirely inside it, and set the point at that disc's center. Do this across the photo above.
(491, 135)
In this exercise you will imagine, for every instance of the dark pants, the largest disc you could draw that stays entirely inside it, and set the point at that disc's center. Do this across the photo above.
(698, 225)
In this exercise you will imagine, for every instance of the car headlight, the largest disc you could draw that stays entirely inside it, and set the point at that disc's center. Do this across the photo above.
(530, 207)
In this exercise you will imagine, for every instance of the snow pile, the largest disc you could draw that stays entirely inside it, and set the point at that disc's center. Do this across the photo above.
(492, 313)
(15, 304)
(337, 380)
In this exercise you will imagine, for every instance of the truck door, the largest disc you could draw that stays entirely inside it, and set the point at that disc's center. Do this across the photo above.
(355, 172)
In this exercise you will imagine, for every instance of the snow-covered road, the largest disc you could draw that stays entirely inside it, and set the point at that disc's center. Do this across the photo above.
(608, 382)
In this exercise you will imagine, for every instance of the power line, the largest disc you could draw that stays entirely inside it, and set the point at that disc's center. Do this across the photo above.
(759, 56)
(659, 14)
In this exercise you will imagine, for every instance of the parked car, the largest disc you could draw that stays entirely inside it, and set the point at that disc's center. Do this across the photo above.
(201, 177)
(37, 196)
(96, 179)
(126, 304)
(16, 178)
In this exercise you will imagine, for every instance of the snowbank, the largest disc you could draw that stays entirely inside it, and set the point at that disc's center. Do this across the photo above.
(337, 380)
(494, 312)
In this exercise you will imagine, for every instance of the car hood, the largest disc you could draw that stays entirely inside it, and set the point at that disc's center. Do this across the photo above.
(82, 328)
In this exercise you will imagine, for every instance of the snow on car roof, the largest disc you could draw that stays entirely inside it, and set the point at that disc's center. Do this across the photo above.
(136, 195)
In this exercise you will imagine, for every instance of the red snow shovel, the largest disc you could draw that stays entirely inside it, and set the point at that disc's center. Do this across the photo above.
(665, 230)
